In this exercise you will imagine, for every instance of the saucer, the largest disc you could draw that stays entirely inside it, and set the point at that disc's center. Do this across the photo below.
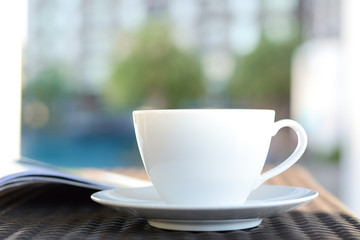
(265, 201)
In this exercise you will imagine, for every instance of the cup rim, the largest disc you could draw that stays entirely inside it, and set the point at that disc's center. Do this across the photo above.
(202, 110)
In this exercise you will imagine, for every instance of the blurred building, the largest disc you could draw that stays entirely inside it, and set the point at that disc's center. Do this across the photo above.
(316, 69)
(80, 35)
(75, 35)
(320, 18)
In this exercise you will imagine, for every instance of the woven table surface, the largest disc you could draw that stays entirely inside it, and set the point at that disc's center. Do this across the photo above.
(63, 212)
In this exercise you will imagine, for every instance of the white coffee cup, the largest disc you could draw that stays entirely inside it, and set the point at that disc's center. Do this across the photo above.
(210, 157)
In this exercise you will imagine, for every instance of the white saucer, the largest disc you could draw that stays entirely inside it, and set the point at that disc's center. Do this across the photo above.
(267, 200)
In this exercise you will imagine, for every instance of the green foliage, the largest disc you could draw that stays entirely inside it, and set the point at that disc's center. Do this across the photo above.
(48, 85)
(329, 155)
(42, 96)
(264, 74)
(157, 68)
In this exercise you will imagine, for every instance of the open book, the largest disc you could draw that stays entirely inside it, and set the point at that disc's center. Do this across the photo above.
(26, 171)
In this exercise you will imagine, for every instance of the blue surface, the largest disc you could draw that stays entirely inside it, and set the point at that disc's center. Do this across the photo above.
(107, 151)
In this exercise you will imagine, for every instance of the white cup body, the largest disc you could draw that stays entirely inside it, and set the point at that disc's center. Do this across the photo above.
(204, 157)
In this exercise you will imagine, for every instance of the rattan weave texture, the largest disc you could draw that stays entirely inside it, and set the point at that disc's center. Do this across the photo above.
(63, 212)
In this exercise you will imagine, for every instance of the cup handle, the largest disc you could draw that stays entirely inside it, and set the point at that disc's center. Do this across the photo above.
(298, 152)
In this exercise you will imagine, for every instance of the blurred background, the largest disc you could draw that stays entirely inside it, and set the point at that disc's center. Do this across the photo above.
(88, 64)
